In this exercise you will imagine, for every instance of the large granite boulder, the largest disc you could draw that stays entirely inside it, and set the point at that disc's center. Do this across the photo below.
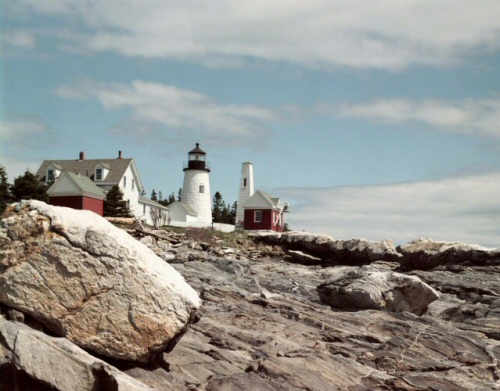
(91, 282)
(362, 288)
(426, 254)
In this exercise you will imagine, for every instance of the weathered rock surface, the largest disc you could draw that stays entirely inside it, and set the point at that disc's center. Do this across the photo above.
(331, 251)
(265, 328)
(90, 282)
(426, 254)
(288, 340)
(367, 288)
(33, 360)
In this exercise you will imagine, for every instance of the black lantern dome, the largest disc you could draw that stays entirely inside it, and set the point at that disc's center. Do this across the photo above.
(196, 160)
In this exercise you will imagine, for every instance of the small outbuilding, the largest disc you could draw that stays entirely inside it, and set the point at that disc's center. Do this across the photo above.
(77, 192)
(182, 212)
(264, 212)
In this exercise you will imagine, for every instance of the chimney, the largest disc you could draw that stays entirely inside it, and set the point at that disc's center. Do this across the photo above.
(82, 155)
(119, 154)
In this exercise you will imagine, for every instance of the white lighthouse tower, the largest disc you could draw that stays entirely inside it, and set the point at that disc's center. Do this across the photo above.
(196, 188)
(246, 191)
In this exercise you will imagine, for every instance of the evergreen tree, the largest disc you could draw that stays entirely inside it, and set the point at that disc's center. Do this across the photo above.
(217, 207)
(233, 212)
(154, 197)
(179, 195)
(5, 197)
(29, 187)
(171, 198)
(115, 205)
(160, 196)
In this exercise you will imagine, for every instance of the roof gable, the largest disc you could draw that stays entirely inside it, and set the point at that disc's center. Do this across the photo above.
(69, 183)
(181, 205)
(262, 200)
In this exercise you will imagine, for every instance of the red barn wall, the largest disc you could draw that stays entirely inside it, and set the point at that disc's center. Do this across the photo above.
(74, 202)
(268, 216)
(79, 202)
(96, 206)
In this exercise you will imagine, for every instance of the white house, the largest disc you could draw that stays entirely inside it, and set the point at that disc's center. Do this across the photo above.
(106, 173)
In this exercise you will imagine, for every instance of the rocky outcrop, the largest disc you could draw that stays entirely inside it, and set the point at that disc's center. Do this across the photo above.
(419, 254)
(331, 251)
(32, 360)
(426, 254)
(365, 288)
(91, 283)
(264, 326)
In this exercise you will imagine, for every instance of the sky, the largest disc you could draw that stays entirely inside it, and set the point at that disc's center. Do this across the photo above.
(373, 119)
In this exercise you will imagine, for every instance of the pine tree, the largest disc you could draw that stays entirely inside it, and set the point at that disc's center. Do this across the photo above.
(171, 198)
(233, 212)
(160, 196)
(217, 207)
(179, 195)
(5, 196)
(154, 197)
(115, 205)
(29, 187)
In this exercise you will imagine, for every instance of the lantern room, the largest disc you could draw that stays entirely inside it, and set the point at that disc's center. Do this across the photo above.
(196, 160)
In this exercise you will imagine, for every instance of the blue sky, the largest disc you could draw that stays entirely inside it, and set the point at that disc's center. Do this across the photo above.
(373, 119)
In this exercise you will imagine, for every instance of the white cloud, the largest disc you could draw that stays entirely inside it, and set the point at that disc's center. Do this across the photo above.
(20, 140)
(16, 166)
(314, 33)
(24, 132)
(20, 39)
(481, 117)
(455, 209)
(177, 111)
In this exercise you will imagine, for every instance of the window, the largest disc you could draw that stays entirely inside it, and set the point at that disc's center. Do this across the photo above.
(202, 189)
(124, 182)
(133, 184)
(257, 216)
(50, 175)
(244, 182)
(144, 209)
(98, 174)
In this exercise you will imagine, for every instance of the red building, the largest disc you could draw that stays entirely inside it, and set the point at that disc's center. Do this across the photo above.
(264, 212)
(77, 192)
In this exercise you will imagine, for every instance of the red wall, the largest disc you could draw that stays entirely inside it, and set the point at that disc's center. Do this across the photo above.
(94, 205)
(268, 216)
(74, 202)
(79, 202)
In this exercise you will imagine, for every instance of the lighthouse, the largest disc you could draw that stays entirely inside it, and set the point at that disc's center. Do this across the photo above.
(245, 192)
(196, 188)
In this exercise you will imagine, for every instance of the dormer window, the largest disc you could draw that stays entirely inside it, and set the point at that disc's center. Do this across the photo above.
(101, 170)
(53, 171)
